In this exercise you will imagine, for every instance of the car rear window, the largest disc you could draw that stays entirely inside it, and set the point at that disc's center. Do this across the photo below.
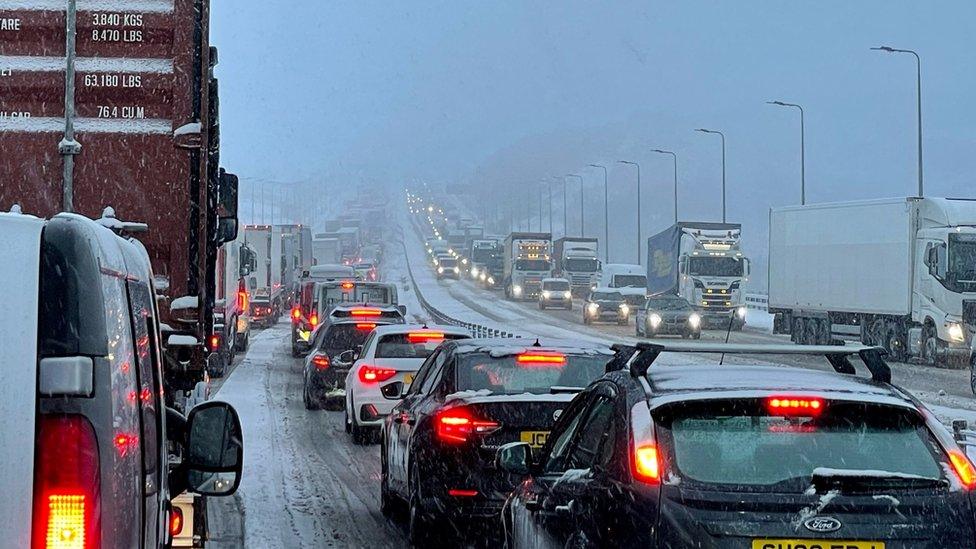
(507, 375)
(740, 443)
(342, 337)
(419, 345)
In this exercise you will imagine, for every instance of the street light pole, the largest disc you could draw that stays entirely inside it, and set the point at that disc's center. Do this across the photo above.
(722, 135)
(549, 186)
(635, 164)
(803, 169)
(606, 215)
(918, 82)
(675, 157)
(582, 223)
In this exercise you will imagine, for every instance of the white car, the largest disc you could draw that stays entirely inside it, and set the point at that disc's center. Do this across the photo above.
(384, 369)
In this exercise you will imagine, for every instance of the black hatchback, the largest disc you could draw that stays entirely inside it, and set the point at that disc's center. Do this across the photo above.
(469, 398)
(751, 457)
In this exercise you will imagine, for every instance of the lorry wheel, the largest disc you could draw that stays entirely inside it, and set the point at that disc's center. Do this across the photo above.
(893, 342)
(799, 332)
(972, 374)
(813, 332)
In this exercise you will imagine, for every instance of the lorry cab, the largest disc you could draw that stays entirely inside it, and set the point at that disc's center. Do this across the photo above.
(91, 454)
(629, 280)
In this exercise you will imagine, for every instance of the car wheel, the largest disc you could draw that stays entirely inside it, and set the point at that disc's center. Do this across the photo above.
(361, 436)
(348, 420)
(419, 522)
(697, 335)
(622, 322)
(387, 499)
(310, 403)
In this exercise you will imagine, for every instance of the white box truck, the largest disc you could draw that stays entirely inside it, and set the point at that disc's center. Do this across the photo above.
(703, 263)
(527, 262)
(326, 251)
(265, 281)
(897, 272)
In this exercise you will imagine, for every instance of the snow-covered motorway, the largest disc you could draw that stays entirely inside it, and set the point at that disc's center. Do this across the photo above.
(306, 485)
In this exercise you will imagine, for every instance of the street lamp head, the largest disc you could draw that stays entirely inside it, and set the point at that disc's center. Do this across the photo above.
(703, 130)
(780, 103)
(884, 48)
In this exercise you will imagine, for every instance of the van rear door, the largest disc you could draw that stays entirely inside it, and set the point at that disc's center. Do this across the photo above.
(19, 271)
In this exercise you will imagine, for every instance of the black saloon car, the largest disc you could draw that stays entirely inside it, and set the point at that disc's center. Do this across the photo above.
(668, 315)
(750, 457)
(470, 397)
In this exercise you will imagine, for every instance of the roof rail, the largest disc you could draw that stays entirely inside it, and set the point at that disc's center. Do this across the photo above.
(639, 357)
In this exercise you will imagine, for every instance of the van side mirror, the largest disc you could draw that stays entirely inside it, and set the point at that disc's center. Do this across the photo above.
(214, 453)
(514, 458)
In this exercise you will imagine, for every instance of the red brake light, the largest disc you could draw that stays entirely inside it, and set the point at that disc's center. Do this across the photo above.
(347, 285)
(320, 362)
(214, 342)
(66, 484)
(457, 492)
(458, 424)
(422, 337)
(314, 320)
(647, 464)
(296, 313)
(372, 374)
(541, 359)
(365, 312)
(963, 468)
(794, 406)
(365, 326)
(242, 300)
(175, 521)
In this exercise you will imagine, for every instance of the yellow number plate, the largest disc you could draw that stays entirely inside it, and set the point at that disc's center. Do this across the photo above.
(815, 544)
(535, 439)
(408, 379)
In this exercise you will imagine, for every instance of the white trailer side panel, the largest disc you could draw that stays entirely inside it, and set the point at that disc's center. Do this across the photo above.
(848, 257)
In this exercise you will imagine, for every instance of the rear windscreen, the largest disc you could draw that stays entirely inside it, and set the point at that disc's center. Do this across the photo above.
(410, 346)
(741, 443)
(506, 375)
(342, 337)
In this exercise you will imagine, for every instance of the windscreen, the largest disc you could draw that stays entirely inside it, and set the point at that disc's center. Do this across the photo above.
(741, 444)
(629, 281)
(558, 285)
(447, 262)
(506, 375)
(330, 295)
(606, 296)
(410, 346)
(581, 265)
(715, 266)
(531, 265)
(962, 261)
(342, 337)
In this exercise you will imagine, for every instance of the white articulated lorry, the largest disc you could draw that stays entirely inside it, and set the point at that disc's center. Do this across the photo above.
(703, 263)
(265, 281)
(527, 262)
(898, 272)
(576, 260)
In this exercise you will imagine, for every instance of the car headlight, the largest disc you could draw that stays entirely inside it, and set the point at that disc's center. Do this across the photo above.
(491, 280)
(567, 294)
(694, 320)
(956, 332)
(440, 270)
(517, 290)
(464, 261)
(741, 312)
(624, 308)
(456, 270)
(546, 294)
(655, 320)
(593, 308)
(484, 276)
(474, 272)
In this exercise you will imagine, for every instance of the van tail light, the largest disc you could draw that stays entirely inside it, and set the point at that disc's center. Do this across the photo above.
(314, 320)
(647, 463)
(794, 406)
(175, 522)
(296, 313)
(321, 362)
(963, 468)
(372, 374)
(66, 485)
(457, 425)
(214, 342)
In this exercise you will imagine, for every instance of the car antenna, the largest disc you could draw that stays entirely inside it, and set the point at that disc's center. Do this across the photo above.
(537, 344)
(727, 335)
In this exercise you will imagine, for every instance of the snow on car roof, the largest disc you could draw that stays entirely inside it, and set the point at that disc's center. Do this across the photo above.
(499, 347)
(674, 383)
(407, 328)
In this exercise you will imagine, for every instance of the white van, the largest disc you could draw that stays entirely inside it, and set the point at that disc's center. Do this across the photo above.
(628, 279)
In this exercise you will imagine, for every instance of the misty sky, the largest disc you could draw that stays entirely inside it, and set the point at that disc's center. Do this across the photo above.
(499, 94)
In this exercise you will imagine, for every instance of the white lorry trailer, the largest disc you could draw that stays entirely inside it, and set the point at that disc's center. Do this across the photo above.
(527, 262)
(265, 281)
(703, 263)
(326, 251)
(576, 260)
(898, 272)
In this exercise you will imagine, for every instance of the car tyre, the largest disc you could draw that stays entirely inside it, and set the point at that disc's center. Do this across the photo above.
(348, 421)
(388, 502)
(622, 322)
(310, 403)
(361, 436)
(418, 523)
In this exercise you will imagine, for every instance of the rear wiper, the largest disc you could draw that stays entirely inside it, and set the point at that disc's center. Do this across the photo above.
(824, 479)
(558, 389)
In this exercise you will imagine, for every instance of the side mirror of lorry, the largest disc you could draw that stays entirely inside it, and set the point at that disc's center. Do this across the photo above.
(252, 283)
(226, 229)
(227, 207)
(402, 309)
(214, 449)
(249, 261)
